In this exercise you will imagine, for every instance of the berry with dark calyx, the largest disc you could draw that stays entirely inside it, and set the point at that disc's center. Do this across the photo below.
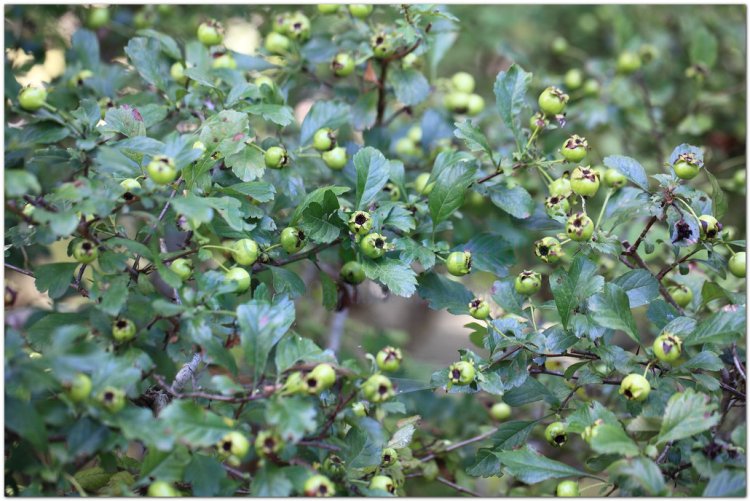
(276, 157)
(458, 263)
(334, 466)
(738, 265)
(342, 64)
(635, 387)
(479, 308)
(584, 181)
(475, 105)
(388, 457)
(319, 486)
(382, 483)
(79, 388)
(377, 388)
(463, 82)
(97, 17)
(328, 8)
(80, 77)
(667, 347)
(687, 166)
(421, 185)
(574, 148)
(161, 489)
(320, 379)
(241, 278)
(268, 443)
(336, 158)
(537, 121)
(681, 294)
(130, 185)
(298, 27)
(352, 273)
(462, 373)
(709, 226)
(590, 431)
(32, 98)
(177, 72)
(235, 444)
(548, 249)
(294, 384)
(614, 178)
(123, 330)
(360, 11)
(457, 102)
(281, 23)
(182, 267)
(359, 409)
(567, 489)
(528, 282)
(393, 191)
(555, 434)
(373, 245)
(573, 79)
(552, 101)
(245, 251)
(500, 411)
(360, 222)
(276, 43)
(112, 399)
(224, 60)
(560, 187)
(85, 252)
(389, 359)
(382, 45)
(209, 33)
(579, 227)
(162, 170)
(556, 205)
(628, 62)
(324, 139)
(293, 239)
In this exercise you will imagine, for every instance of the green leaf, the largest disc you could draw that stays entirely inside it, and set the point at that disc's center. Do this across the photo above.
(168, 44)
(124, 120)
(20, 182)
(276, 113)
(450, 186)
(318, 196)
(321, 223)
(727, 483)
(688, 413)
(287, 282)
(630, 168)
(192, 423)
(485, 464)
(261, 191)
(413, 251)
(510, 91)
(116, 295)
(363, 444)
(22, 418)
(530, 467)
(402, 437)
(228, 208)
(612, 439)
(293, 349)
(193, 208)
(704, 47)
(530, 391)
(612, 310)
(512, 434)
(293, 417)
(262, 325)
(225, 132)
(705, 360)
(490, 252)
(398, 277)
(640, 286)
(504, 294)
(330, 292)
(720, 327)
(409, 85)
(515, 201)
(442, 292)
(55, 278)
(474, 138)
(168, 466)
(204, 474)
(719, 200)
(638, 473)
(570, 288)
(372, 174)
(271, 482)
(247, 164)
(148, 60)
(323, 114)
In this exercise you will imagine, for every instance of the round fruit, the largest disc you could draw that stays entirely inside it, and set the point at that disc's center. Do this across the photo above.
(559, 45)
(224, 60)
(85, 252)
(97, 17)
(537, 121)
(463, 82)
(579, 227)
(245, 251)
(373, 245)
(573, 79)
(182, 267)
(479, 308)
(177, 72)
(528, 282)
(32, 98)
(382, 483)
(667, 347)
(352, 273)
(377, 388)
(80, 77)
(388, 457)
(555, 434)
(574, 148)
(80, 388)
(687, 166)
(738, 265)
(360, 222)
(389, 359)
(234, 443)
(241, 278)
(382, 45)
(161, 170)
(130, 185)
(209, 33)
(319, 486)
(360, 11)
(462, 373)
(328, 8)
(475, 105)
(123, 330)
(359, 409)
(567, 489)
(161, 489)
(556, 206)
(552, 101)
(458, 263)
(415, 134)
(405, 147)
(276, 157)
(591, 87)
(262, 80)
(548, 249)
(293, 239)
(710, 227)
(268, 443)
(112, 399)
(681, 294)
(457, 102)
(560, 187)
(276, 43)
(394, 193)
(614, 178)
(281, 23)
(342, 65)
(635, 387)
(584, 181)
(320, 378)
(628, 62)
(336, 158)
(324, 139)
(299, 27)
(420, 184)
(590, 431)
(500, 411)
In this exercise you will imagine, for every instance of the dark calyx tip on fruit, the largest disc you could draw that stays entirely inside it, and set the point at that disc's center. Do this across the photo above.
(121, 324)
(360, 219)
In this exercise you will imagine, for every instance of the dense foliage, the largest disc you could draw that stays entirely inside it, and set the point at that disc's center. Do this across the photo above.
(202, 218)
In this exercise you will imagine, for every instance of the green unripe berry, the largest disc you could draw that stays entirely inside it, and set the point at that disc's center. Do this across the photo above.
(209, 33)
(635, 387)
(377, 388)
(389, 359)
(276, 157)
(268, 443)
(458, 263)
(528, 282)
(343, 64)
(382, 483)
(537, 121)
(240, 276)
(328, 8)
(85, 252)
(353, 273)
(628, 62)
(584, 181)
(299, 27)
(224, 60)
(388, 457)
(177, 72)
(79, 78)
(293, 239)
(80, 388)
(479, 308)
(359, 409)
(560, 187)
(559, 45)
(573, 79)
(463, 82)
(245, 251)
(130, 185)
(360, 11)
(681, 294)
(687, 166)
(262, 80)
(614, 178)
(475, 105)
(32, 98)
(276, 43)
(112, 399)
(737, 265)
(182, 267)
(382, 45)
(591, 87)
(235, 444)
(319, 486)
(462, 373)
(567, 489)
(590, 431)
(500, 411)
(548, 249)
(574, 148)
(373, 245)
(161, 489)
(324, 139)
(336, 158)
(709, 227)
(322, 377)
(360, 222)
(123, 330)
(556, 206)
(552, 101)
(457, 102)
(421, 186)
(579, 227)
(162, 170)
(667, 347)
(555, 434)
(97, 17)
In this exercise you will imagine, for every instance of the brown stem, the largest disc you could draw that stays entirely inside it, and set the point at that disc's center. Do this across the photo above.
(447, 482)
(670, 267)
(463, 443)
(539, 370)
(382, 91)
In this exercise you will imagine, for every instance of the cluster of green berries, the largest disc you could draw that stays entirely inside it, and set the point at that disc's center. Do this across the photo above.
(461, 98)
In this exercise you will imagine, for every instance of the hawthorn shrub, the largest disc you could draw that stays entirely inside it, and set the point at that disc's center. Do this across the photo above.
(211, 203)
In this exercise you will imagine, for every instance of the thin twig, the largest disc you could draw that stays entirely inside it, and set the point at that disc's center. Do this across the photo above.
(447, 482)
(737, 363)
(539, 370)
(670, 267)
(463, 443)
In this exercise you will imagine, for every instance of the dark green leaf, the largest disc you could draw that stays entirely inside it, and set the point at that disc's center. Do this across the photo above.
(530, 467)
(688, 413)
(630, 168)
(55, 278)
(510, 91)
(515, 201)
(372, 173)
(442, 292)
(612, 310)
(571, 288)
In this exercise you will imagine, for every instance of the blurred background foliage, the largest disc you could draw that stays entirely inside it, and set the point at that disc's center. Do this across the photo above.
(691, 90)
